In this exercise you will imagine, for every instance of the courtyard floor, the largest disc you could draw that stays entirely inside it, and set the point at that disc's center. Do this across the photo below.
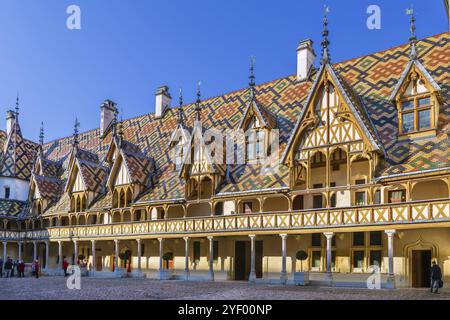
(144, 289)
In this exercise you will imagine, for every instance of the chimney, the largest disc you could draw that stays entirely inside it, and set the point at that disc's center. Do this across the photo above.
(163, 101)
(108, 111)
(305, 59)
(10, 118)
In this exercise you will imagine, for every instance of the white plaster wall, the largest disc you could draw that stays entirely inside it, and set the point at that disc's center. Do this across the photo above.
(19, 188)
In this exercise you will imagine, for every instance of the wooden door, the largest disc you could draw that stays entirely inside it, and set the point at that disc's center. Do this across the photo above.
(421, 268)
(98, 263)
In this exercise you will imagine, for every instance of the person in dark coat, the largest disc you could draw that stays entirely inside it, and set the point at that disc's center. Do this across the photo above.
(21, 269)
(36, 268)
(1, 268)
(8, 267)
(65, 266)
(436, 277)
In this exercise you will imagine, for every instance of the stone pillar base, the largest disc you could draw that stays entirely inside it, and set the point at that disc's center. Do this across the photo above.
(283, 278)
(252, 276)
(329, 278)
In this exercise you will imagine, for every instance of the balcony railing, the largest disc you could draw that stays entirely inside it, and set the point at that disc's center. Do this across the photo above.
(11, 235)
(388, 214)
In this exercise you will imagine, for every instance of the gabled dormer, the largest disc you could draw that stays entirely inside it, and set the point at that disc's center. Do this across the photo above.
(131, 171)
(257, 123)
(179, 139)
(417, 98)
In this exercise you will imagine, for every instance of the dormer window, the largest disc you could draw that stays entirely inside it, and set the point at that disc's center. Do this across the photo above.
(254, 141)
(7, 192)
(416, 114)
(179, 154)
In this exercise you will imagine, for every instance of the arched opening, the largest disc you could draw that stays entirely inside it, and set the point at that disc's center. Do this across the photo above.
(116, 218)
(157, 213)
(46, 223)
(275, 203)
(427, 190)
(64, 221)
(23, 225)
(127, 216)
(192, 186)
(12, 225)
(121, 198)
(115, 201)
(72, 204)
(206, 188)
(249, 206)
(82, 220)
(360, 170)
(73, 221)
(83, 203)
(92, 219)
(298, 203)
(338, 168)
(129, 196)
(199, 210)
(55, 222)
(138, 215)
(78, 204)
(175, 212)
(318, 161)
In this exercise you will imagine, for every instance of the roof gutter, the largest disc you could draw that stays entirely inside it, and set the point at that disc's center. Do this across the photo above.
(400, 175)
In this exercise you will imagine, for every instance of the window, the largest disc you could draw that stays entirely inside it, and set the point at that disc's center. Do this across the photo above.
(7, 192)
(397, 196)
(317, 202)
(215, 250)
(219, 209)
(416, 114)
(376, 238)
(315, 261)
(358, 238)
(316, 240)
(375, 257)
(360, 181)
(377, 197)
(179, 154)
(333, 201)
(197, 251)
(248, 207)
(255, 138)
(358, 259)
(360, 198)
(317, 185)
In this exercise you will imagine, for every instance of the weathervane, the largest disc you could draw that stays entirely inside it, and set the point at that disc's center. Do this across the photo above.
(75, 132)
(198, 108)
(252, 77)
(180, 108)
(325, 33)
(412, 30)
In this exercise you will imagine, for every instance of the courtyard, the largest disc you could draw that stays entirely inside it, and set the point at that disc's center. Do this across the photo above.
(144, 289)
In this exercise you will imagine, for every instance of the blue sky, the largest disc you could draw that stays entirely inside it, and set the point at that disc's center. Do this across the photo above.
(126, 49)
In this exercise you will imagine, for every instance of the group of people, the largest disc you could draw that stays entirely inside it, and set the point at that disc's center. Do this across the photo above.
(8, 267)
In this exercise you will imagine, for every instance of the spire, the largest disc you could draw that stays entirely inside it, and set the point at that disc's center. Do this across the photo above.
(121, 130)
(180, 108)
(17, 107)
(41, 134)
(114, 124)
(325, 41)
(252, 78)
(75, 132)
(412, 30)
(198, 108)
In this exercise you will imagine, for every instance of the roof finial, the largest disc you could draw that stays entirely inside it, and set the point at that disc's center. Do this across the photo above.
(121, 128)
(198, 108)
(114, 123)
(412, 30)
(180, 108)
(17, 106)
(75, 132)
(325, 33)
(41, 134)
(252, 77)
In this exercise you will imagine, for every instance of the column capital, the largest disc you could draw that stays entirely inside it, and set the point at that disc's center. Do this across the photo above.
(160, 239)
(116, 241)
(283, 236)
(93, 241)
(138, 240)
(186, 239)
(390, 233)
(34, 242)
(210, 238)
(252, 236)
(328, 235)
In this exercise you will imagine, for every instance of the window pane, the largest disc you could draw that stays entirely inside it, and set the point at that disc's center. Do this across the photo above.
(407, 105)
(424, 119)
(375, 258)
(360, 198)
(250, 151)
(358, 238)
(375, 238)
(397, 196)
(408, 122)
(316, 239)
(316, 259)
(424, 102)
(317, 202)
(377, 197)
(358, 259)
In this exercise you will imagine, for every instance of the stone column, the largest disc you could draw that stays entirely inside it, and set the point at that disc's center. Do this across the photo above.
(34, 250)
(390, 234)
(20, 249)
(4, 251)
(116, 255)
(283, 274)
(211, 258)
(93, 257)
(186, 258)
(47, 249)
(161, 253)
(75, 251)
(329, 236)
(252, 276)
(139, 254)
(60, 264)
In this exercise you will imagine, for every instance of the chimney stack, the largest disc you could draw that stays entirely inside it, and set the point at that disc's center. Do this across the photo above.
(305, 59)
(163, 101)
(10, 118)
(108, 111)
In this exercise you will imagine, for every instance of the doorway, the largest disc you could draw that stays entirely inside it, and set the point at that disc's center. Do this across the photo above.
(98, 263)
(242, 259)
(421, 268)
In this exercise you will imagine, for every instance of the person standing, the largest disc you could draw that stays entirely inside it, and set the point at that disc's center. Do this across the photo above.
(1, 268)
(13, 266)
(36, 268)
(65, 266)
(21, 269)
(436, 277)
(8, 267)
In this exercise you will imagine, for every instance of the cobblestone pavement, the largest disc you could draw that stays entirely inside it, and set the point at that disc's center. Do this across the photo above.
(142, 289)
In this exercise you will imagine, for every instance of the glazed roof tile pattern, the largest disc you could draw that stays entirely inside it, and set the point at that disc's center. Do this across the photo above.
(371, 78)
(49, 188)
(94, 175)
(11, 208)
(18, 155)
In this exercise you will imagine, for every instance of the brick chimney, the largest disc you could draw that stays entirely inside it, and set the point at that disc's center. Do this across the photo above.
(108, 110)
(163, 101)
(10, 118)
(305, 59)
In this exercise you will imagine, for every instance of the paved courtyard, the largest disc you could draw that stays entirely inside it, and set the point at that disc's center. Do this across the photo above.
(143, 289)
